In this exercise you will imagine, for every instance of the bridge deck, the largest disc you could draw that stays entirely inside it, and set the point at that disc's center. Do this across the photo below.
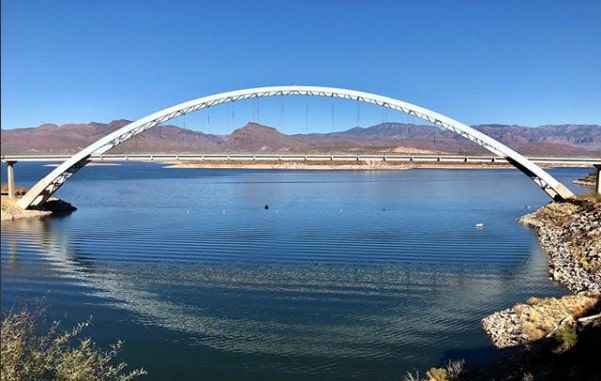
(425, 158)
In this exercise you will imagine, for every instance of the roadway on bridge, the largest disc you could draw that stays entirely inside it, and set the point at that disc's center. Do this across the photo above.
(415, 158)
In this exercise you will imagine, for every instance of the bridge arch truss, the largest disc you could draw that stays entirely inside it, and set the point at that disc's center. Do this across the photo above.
(47, 186)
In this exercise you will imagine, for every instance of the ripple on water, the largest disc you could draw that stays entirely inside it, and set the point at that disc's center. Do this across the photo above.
(350, 291)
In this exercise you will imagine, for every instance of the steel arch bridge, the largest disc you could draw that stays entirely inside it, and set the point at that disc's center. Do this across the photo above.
(47, 186)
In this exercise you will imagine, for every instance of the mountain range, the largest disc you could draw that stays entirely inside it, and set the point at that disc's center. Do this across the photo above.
(548, 140)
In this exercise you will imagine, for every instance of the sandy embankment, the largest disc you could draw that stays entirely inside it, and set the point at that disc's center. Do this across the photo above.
(11, 211)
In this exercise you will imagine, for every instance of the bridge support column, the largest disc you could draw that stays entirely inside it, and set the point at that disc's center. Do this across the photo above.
(598, 182)
(11, 179)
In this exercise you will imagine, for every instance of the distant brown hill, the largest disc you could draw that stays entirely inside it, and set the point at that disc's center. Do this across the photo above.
(551, 140)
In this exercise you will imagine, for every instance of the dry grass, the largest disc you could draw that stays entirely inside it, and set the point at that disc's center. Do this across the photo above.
(437, 374)
(532, 331)
(19, 191)
(452, 371)
(10, 209)
(28, 354)
(588, 199)
(8, 205)
(541, 317)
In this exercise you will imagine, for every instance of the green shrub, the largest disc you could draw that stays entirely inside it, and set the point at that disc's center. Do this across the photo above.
(54, 355)
(565, 338)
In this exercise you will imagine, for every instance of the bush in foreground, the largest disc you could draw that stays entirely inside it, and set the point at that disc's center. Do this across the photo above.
(28, 354)
(453, 371)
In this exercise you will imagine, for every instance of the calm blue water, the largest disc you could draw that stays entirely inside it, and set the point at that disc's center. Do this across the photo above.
(360, 275)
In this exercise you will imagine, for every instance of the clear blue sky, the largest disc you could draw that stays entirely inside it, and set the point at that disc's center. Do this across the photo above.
(513, 62)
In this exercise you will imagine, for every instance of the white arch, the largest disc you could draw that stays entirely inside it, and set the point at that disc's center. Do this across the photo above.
(41, 191)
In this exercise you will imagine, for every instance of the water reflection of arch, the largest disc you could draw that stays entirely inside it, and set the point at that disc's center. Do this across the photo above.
(139, 288)
(40, 236)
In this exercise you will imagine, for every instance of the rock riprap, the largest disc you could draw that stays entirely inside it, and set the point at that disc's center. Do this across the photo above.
(570, 233)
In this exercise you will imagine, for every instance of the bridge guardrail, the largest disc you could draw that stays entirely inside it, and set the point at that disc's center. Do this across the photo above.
(306, 157)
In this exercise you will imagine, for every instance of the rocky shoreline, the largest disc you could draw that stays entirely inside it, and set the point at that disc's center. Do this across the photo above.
(570, 233)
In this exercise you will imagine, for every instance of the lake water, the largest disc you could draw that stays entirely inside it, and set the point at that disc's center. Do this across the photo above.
(360, 275)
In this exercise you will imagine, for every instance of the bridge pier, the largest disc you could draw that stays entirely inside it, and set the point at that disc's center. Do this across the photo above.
(11, 179)
(598, 182)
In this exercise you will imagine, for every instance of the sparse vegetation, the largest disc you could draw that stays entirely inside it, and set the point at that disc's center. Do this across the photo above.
(532, 331)
(541, 317)
(19, 191)
(453, 371)
(455, 368)
(595, 196)
(437, 374)
(533, 300)
(566, 338)
(31, 353)
(412, 376)
(588, 199)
